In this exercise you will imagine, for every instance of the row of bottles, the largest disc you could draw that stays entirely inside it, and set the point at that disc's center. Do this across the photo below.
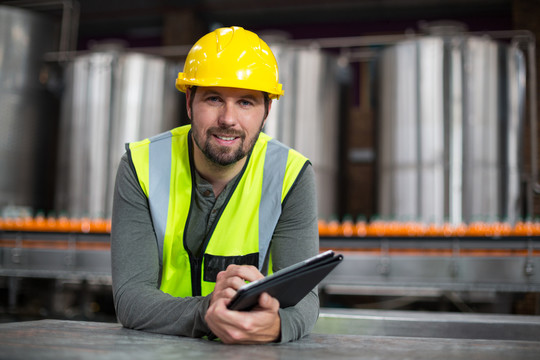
(51, 223)
(378, 228)
(332, 228)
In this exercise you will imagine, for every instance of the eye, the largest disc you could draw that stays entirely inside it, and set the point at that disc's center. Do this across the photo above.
(213, 99)
(245, 103)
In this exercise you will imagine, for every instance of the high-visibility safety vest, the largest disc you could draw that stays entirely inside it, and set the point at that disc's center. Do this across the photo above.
(242, 231)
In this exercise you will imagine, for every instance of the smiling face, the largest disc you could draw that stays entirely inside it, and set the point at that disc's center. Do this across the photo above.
(226, 123)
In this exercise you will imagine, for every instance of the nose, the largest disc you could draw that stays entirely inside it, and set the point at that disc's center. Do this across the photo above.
(227, 116)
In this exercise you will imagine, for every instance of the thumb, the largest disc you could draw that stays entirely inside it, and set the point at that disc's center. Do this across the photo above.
(268, 302)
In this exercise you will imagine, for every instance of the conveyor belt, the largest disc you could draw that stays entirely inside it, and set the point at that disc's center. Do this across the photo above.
(508, 264)
(55, 255)
(502, 264)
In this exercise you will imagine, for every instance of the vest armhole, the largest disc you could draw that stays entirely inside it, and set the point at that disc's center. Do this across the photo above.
(130, 160)
(193, 185)
(306, 164)
(134, 169)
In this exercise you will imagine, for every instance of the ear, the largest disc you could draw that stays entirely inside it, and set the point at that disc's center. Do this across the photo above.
(188, 102)
(266, 117)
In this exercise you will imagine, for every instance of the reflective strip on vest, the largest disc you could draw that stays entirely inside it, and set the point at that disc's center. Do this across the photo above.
(270, 207)
(159, 185)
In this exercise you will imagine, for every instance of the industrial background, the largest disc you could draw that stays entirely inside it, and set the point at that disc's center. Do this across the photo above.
(419, 116)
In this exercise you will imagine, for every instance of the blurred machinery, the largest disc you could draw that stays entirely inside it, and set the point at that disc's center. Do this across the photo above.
(307, 117)
(451, 184)
(450, 111)
(451, 117)
(28, 109)
(108, 97)
(111, 97)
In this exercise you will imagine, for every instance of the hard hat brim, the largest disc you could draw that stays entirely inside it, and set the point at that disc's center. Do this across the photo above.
(183, 84)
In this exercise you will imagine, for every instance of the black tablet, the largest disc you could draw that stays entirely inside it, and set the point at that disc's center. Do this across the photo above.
(288, 285)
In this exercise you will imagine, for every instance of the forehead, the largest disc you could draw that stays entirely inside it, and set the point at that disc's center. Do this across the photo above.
(230, 92)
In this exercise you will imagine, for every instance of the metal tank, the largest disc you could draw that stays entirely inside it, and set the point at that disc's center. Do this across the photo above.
(26, 108)
(306, 118)
(450, 129)
(112, 97)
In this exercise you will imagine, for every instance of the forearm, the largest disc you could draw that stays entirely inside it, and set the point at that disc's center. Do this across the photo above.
(295, 239)
(135, 269)
(151, 310)
(298, 321)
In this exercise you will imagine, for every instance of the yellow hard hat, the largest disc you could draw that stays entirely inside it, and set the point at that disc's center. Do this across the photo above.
(231, 57)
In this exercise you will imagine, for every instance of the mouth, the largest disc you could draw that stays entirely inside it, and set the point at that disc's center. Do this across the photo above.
(225, 138)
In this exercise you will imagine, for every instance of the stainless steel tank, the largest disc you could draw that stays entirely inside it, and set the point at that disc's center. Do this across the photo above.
(112, 97)
(450, 129)
(25, 108)
(306, 118)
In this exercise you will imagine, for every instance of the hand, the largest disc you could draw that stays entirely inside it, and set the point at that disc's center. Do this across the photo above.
(232, 279)
(260, 325)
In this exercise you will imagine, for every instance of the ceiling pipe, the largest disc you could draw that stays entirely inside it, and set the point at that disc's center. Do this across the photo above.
(69, 23)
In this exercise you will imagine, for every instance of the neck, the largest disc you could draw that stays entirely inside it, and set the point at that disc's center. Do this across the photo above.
(217, 175)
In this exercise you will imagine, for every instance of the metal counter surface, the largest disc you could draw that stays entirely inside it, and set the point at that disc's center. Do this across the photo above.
(423, 324)
(60, 339)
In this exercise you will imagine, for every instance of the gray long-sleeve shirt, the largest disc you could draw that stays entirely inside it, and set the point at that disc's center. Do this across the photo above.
(135, 265)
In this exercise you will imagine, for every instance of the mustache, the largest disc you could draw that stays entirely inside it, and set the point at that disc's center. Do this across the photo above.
(216, 130)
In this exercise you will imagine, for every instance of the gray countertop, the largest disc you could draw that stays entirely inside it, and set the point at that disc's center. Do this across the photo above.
(428, 324)
(62, 339)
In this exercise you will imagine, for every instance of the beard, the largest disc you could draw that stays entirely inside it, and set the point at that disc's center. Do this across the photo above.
(224, 155)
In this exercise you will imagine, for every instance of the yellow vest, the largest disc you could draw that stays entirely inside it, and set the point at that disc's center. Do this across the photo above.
(241, 233)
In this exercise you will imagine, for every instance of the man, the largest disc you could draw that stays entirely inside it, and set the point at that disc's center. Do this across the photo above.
(202, 209)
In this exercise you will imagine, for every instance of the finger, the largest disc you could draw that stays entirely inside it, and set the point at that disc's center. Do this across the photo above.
(236, 276)
(267, 302)
(245, 272)
(232, 279)
(227, 294)
(223, 323)
(233, 282)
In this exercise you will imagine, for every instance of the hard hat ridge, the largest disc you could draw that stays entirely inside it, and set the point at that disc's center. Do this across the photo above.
(231, 57)
(223, 38)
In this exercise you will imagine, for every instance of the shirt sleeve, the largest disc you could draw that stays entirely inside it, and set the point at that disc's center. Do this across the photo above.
(139, 302)
(296, 238)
